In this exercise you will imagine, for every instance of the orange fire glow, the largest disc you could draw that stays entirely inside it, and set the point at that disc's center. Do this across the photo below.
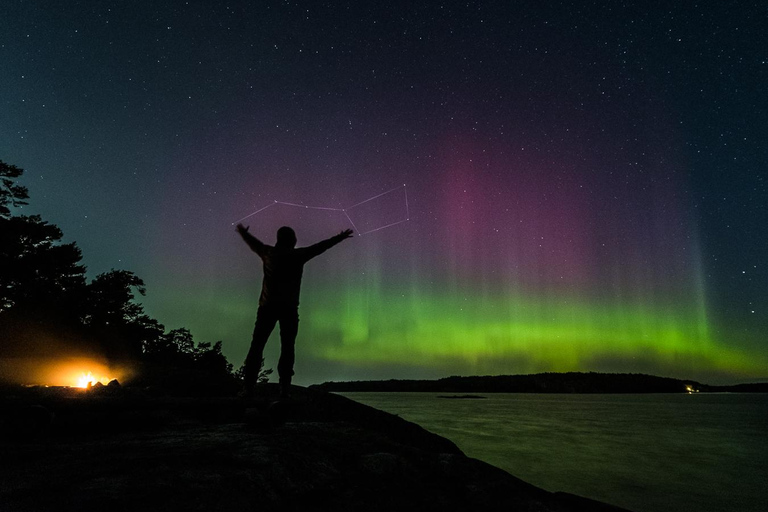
(80, 373)
(73, 371)
(87, 379)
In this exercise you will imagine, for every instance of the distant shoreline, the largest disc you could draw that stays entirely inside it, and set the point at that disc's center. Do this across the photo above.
(570, 382)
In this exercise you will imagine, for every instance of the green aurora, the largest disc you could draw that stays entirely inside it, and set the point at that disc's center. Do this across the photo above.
(360, 330)
(552, 334)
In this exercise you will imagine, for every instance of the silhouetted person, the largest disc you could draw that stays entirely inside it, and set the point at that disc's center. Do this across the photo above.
(279, 300)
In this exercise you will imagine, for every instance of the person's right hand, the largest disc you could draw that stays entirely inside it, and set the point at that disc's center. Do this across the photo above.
(243, 230)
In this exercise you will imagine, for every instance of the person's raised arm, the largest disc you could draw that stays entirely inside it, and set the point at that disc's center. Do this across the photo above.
(254, 243)
(321, 247)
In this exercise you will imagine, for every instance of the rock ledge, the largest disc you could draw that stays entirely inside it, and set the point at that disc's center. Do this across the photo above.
(318, 451)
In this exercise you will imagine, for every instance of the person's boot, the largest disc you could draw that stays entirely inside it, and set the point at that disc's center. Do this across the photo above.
(285, 390)
(248, 392)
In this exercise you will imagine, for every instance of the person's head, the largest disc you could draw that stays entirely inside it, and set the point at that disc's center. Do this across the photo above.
(286, 237)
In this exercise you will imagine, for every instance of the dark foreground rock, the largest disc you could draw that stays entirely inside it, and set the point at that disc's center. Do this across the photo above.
(316, 452)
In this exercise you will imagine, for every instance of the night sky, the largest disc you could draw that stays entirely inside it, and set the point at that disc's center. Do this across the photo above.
(586, 182)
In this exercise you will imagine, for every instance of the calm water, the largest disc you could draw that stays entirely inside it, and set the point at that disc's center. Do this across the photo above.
(648, 453)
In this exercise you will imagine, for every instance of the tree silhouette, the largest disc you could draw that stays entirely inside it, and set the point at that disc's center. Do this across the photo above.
(42, 283)
(169, 348)
(113, 314)
(264, 373)
(36, 270)
(48, 309)
(10, 192)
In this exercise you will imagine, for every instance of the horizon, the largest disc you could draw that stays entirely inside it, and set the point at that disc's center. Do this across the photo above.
(755, 381)
(585, 187)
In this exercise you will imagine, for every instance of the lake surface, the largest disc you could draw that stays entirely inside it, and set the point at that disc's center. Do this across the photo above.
(648, 453)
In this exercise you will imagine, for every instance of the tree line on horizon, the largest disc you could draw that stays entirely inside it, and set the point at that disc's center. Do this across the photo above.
(49, 309)
(548, 382)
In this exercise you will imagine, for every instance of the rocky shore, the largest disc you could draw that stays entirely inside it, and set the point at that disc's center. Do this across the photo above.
(124, 451)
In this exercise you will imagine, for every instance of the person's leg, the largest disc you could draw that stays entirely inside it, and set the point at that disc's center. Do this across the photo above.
(289, 328)
(265, 323)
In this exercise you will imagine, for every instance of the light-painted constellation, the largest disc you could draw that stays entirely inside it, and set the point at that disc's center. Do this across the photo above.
(344, 210)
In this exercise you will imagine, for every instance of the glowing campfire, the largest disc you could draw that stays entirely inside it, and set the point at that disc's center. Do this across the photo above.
(71, 372)
(86, 380)
(81, 373)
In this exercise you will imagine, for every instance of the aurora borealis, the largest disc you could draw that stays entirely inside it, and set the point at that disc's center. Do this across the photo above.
(586, 181)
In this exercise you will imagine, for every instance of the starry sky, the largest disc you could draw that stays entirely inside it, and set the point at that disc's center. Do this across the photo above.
(585, 180)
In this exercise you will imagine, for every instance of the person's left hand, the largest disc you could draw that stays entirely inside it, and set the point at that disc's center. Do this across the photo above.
(347, 233)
